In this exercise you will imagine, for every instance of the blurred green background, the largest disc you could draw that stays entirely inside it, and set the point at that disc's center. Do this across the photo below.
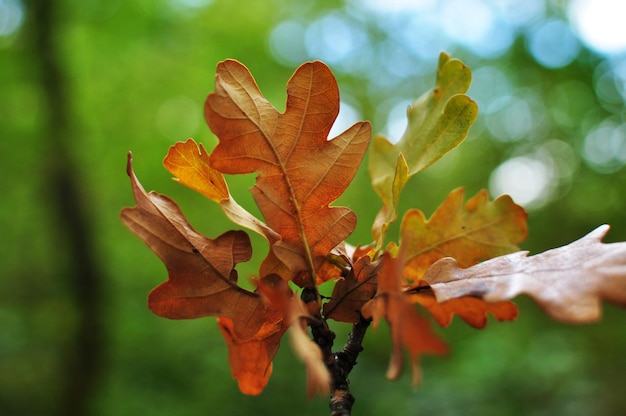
(82, 82)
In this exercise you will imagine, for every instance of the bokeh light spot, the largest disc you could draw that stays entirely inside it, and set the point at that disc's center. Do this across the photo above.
(286, 43)
(520, 12)
(11, 16)
(397, 121)
(553, 44)
(474, 24)
(488, 84)
(467, 21)
(509, 118)
(608, 87)
(604, 148)
(600, 24)
(525, 179)
(333, 38)
(422, 37)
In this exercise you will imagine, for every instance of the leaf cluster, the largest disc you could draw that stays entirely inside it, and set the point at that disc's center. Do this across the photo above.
(463, 260)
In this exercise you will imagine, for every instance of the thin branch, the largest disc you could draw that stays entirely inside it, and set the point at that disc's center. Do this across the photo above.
(323, 336)
(341, 399)
(341, 363)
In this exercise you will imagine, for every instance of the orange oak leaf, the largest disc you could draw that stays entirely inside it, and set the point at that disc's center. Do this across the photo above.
(202, 276)
(472, 310)
(300, 172)
(296, 315)
(190, 164)
(352, 292)
(250, 359)
(475, 232)
(408, 328)
(569, 282)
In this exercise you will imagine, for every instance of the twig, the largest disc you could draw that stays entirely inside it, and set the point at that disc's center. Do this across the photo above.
(341, 400)
(341, 363)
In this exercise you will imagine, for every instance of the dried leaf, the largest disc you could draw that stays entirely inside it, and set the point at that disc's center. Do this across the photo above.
(408, 328)
(352, 292)
(569, 282)
(250, 359)
(295, 314)
(190, 164)
(318, 378)
(472, 310)
(300, 172)
(202, 279)
(475, 232)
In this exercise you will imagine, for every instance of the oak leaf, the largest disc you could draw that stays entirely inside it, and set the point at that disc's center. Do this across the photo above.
(438, 121)
(202, 276)
(568, 282)
(472, 310)
(250, 359)
(408, 328)
(300, 172)
(353, 291)
(318, 378)
(190, 164)
(479, 230)
(475, 231)
(296, 316)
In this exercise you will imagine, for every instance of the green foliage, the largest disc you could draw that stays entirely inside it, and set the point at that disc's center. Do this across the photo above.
(438, 121)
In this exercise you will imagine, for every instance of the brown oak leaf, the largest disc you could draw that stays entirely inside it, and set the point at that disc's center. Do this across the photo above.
(569, 282)
(352, 292)
(250, 359)
(477, 230)
(408, 328)
(300, 172)
(296, 316)
(202, 276)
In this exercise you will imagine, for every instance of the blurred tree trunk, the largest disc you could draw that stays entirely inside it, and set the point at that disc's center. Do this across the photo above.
(69, 210)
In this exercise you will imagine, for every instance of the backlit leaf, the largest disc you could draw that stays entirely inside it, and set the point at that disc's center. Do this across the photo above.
(300, 172)
(250, 359)
(438, 121)
(475, 231)
(190, 164)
